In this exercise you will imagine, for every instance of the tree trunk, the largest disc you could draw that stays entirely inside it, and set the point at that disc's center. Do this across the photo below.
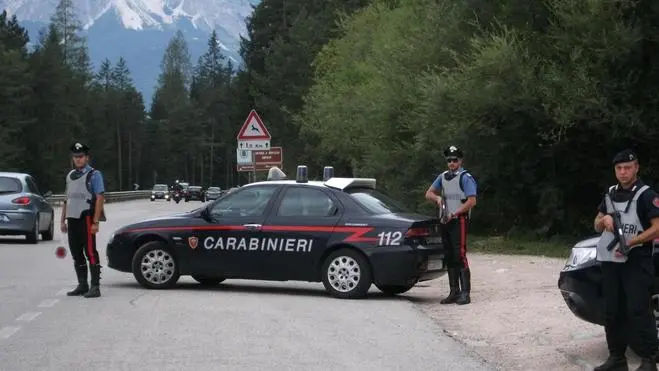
(119, 167)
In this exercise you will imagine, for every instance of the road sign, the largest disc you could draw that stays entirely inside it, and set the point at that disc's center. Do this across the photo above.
(243, 156)
(264, 160)
(273, 156)
(253, 129)
(254, 144)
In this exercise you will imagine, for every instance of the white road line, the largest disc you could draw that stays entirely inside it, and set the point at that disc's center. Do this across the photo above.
(29, 316)
(62, 292)
(7, 332)
(48, 303)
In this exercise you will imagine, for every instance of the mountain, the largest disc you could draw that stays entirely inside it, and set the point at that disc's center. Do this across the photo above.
(139, 30)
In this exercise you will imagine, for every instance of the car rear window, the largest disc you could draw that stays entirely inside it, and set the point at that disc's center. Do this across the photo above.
(10, 185)
(376, 202)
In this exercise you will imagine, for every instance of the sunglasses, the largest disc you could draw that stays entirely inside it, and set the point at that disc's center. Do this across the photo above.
(450, 160)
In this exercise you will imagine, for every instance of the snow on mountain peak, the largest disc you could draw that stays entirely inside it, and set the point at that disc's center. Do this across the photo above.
(140, 14)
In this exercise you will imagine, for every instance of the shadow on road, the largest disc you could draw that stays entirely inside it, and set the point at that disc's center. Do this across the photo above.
(268, 289)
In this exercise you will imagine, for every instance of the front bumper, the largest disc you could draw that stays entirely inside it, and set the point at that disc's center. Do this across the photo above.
(120, 254)
(159, 196)
(402, 265)
(582, 292)
(20, 222)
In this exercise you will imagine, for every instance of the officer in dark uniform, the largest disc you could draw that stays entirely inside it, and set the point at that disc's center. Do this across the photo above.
(628, 280)
(457, 194)
(81, 214)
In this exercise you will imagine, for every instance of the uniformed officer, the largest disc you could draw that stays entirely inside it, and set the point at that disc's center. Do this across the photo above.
(457, 189)
(81, 214)
(627, 280)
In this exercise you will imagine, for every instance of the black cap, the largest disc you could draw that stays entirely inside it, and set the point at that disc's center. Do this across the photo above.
(79, 149)
(626, 155)
(453, 151)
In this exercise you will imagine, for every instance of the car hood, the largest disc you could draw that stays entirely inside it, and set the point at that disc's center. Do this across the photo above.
(174, 220)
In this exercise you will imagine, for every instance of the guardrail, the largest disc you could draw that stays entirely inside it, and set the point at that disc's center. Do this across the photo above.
(109, 196)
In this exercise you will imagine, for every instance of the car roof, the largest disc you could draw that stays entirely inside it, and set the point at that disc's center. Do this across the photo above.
(13, 174)
(336, 183)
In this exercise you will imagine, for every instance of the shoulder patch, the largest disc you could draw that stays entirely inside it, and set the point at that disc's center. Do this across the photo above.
(655, 202)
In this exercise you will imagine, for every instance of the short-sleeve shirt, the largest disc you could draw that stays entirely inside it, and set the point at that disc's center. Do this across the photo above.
(468, 183)
(648, 203)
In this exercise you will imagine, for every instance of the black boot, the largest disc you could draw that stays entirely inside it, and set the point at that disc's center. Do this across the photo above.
(83, 287)
(647, 364)
(454, 285)
(94, 290)
(613, 363)
(465, 284)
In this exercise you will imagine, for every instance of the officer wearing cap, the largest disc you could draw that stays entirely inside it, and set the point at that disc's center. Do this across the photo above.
(628, 279)
(81, 214)
(456, 188)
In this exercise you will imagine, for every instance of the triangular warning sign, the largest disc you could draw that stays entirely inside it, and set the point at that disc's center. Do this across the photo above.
(253, 128)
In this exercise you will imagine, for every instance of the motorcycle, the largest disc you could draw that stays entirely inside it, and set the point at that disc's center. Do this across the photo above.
(177, 196)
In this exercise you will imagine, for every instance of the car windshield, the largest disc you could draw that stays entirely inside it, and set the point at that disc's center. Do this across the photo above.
(160, 187)
(376, 202)
(10, 185)
(195, 188)
(213, 189)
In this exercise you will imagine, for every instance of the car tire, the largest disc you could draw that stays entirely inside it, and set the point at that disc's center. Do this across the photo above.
(50, 233)
(207, 281)
(33, 236)
(392, 290)
(347, 274)
(155, 266)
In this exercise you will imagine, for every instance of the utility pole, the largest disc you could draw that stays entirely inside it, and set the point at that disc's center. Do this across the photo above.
(212, 159)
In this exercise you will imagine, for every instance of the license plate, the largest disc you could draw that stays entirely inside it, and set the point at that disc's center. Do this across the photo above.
(434, 240)
(4, 218)
(435, 264)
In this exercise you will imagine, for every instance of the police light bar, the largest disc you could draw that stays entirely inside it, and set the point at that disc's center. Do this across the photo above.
(328, 172)
(302, 174)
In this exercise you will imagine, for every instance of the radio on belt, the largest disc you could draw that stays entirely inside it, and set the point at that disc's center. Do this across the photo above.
(328, 172)
(302, 174)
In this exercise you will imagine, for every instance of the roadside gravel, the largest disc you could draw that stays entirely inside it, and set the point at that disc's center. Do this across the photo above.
(517, 319)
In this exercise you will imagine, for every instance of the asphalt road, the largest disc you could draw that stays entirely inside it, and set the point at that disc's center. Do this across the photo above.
(239, 325)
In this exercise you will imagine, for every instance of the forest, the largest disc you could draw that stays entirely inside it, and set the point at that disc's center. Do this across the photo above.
(539, 94)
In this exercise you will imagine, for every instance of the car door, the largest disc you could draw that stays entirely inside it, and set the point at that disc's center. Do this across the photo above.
(298, 229)
(229, 242)
(41, 203)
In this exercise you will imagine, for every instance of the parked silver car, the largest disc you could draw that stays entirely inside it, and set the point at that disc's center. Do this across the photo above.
(23, 210)
(213, 193)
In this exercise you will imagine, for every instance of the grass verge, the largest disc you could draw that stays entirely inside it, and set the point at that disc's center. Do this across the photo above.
(519, 246)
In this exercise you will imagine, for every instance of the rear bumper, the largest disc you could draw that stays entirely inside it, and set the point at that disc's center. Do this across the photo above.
(402, 265)
(20, 222)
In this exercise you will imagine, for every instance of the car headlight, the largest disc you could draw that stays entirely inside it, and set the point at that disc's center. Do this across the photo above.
(581, 257)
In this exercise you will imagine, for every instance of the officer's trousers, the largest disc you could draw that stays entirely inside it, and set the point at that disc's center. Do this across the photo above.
(627, 290)
(82, 243)
(454, 239)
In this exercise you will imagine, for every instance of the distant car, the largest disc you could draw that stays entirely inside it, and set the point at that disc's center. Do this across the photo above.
(23, 210)
(341, 231)
(160, 192)
(213, 193)
(580, 282)
(195, 193)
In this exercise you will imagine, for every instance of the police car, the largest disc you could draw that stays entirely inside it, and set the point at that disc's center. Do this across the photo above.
(580, 282)
(339, 231)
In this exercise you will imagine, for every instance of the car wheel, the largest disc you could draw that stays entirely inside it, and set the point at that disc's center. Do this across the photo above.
(154, 266)
(207, 281)
(50, 233)
(33, 236)
(347, 274)
(395, 289)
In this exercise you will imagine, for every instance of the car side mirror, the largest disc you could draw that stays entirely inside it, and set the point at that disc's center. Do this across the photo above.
(48, 194)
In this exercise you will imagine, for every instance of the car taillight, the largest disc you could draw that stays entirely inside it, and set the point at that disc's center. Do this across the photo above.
(21, 200)
(418, 232)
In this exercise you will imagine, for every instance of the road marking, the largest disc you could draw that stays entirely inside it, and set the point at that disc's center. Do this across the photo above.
(29, 316)
(62, 292)
(7, 332)
(48, 303)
